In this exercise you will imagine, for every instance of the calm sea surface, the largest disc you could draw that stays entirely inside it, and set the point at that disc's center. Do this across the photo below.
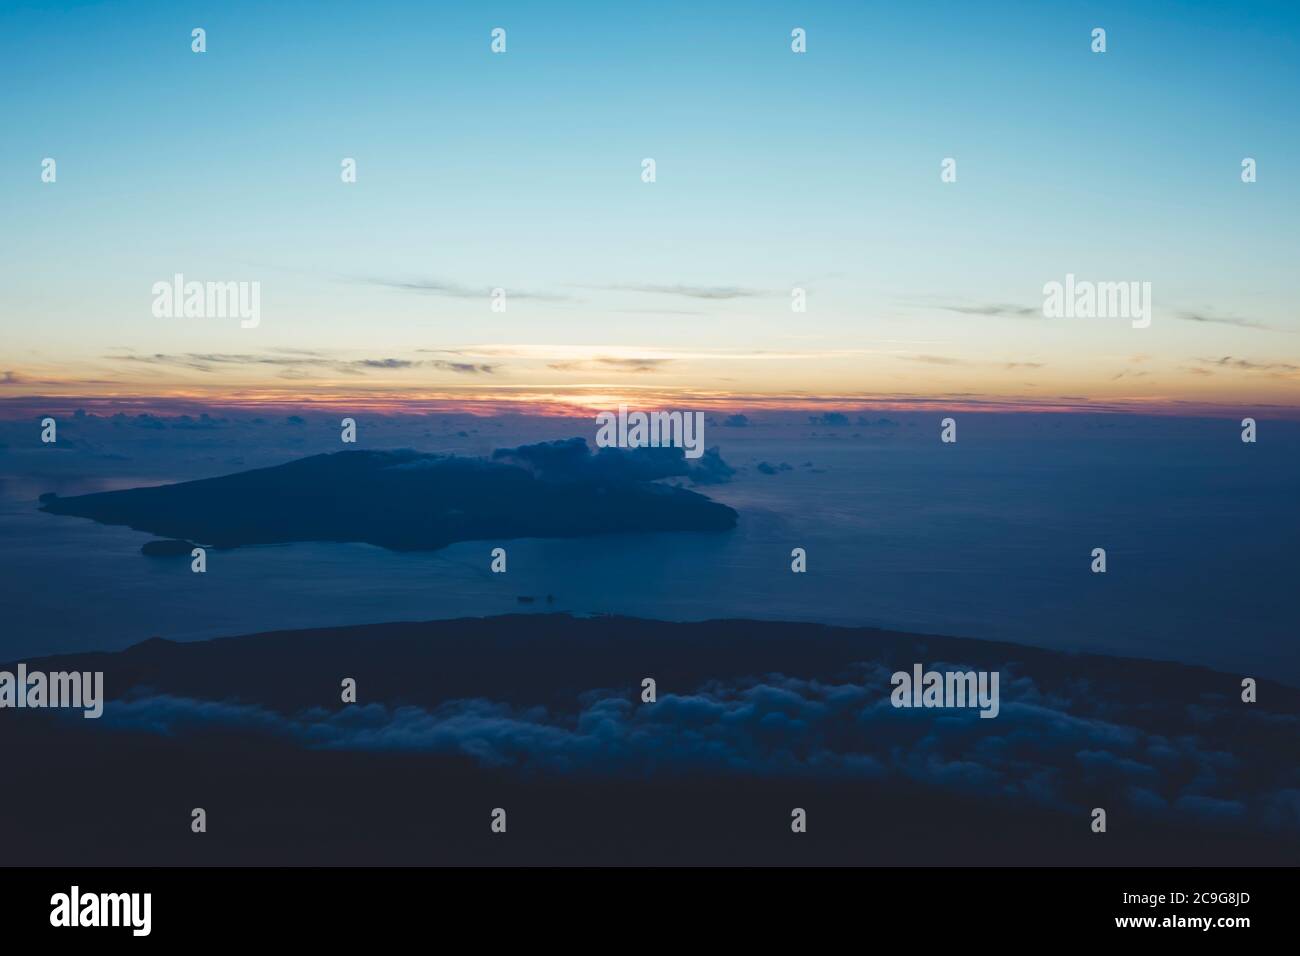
(988, 538)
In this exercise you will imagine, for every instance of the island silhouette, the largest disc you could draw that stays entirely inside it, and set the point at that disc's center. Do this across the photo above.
(407, 500)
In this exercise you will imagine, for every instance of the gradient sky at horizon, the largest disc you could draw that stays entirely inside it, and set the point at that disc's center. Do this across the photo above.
(775, 170)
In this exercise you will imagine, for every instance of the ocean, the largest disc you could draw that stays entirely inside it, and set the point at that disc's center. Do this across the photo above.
(990, 537)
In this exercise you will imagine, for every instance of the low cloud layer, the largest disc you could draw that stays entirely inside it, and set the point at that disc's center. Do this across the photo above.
(1045, 748)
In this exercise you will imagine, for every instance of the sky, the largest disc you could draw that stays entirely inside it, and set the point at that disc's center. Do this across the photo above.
(774, 171)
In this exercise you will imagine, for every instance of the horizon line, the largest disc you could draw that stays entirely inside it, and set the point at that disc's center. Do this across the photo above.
(563, 404)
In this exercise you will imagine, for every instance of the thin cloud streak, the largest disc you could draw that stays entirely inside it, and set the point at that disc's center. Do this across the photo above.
(605, 362)
(210, 361)
(720, 292)
(997, 309)
(456, 290)
(1247, 365)
(968, 363)
(575, 353)
(1226, 320)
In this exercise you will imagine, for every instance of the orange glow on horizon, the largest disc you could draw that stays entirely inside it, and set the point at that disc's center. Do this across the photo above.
(586, 400)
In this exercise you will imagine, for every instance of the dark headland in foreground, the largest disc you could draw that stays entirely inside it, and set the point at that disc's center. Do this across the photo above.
(542, 715)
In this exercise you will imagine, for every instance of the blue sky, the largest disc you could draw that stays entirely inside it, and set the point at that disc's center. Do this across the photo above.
(774, 170)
